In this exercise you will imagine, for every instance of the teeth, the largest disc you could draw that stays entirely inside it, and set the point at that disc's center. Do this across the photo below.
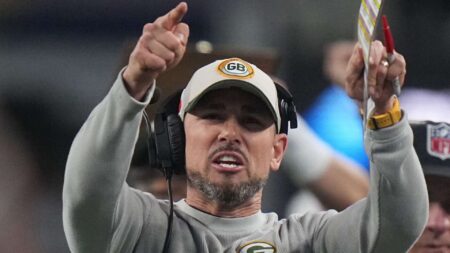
(228, 165)
(227, 158)
(228, 161)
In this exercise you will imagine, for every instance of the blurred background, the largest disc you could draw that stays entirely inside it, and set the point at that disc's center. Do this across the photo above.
(58, 59)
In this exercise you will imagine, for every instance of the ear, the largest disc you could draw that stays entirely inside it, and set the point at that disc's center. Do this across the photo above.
(279, 148)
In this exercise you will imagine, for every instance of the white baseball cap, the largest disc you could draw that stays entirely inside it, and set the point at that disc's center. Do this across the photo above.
(232, 72)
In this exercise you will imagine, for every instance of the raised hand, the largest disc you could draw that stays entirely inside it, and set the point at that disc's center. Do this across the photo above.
(160, 47)
(381, 75)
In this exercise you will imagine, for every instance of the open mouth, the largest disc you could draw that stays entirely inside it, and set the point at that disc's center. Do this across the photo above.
(228, 162)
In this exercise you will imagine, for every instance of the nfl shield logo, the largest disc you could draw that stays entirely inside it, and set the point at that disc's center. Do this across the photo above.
(438, 141)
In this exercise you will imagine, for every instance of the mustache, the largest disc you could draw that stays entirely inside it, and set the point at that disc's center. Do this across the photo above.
(229, 146)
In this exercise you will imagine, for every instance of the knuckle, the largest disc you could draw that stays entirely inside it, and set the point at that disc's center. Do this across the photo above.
(144, 40)
(383, 71)
(171, 43)
(138, 54)
(156, 64)
(147, 35)
(170, 56)
(159, 20)
(148, 27)
(373, 64)
(159, 65)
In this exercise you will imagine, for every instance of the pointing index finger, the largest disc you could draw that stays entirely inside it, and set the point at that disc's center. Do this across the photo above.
(174, 16)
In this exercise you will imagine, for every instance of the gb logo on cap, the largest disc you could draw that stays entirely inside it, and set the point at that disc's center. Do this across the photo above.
(236, 67)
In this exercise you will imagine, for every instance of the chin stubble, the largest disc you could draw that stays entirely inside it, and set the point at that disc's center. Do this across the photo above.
(226, 194)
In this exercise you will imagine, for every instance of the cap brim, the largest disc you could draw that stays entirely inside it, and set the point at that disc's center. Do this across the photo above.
(436, 170)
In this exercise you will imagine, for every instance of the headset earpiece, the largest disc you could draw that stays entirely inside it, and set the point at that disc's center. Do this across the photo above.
(283, 107)
(167, 140)
(177, 141)
(288, 111)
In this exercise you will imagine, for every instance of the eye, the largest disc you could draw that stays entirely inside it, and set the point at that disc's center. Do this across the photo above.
(213, 116)
(251, 120)
(253, 123)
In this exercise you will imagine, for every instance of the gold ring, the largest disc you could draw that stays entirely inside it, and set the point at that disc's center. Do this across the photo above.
(384, 63)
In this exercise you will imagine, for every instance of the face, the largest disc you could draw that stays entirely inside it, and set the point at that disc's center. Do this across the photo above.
(436, 237)
(231, 146)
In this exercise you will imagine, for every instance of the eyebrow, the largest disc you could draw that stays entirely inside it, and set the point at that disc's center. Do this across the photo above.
(254, 109)
(213, 106)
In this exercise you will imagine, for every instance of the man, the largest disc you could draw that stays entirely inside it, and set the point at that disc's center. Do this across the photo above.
(432, 142)
(232, 125)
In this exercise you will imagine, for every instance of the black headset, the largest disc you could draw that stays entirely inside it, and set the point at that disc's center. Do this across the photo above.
(167, 139)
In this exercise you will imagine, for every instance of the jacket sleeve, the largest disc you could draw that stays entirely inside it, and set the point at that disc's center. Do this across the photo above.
(395, 212)
(96, 170)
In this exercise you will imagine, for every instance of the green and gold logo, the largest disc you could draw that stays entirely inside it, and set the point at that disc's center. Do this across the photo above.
(236, 68)
(257, 247)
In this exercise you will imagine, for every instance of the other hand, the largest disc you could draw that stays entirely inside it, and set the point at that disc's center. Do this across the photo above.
(380, 78)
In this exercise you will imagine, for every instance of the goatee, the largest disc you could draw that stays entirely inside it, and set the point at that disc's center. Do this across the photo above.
(228, 195)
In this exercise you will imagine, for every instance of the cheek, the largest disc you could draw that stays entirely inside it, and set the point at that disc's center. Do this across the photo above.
(197, 147)
(262, 153)
(193, 153)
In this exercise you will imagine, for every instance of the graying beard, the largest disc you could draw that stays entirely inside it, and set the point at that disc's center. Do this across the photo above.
(227, 195)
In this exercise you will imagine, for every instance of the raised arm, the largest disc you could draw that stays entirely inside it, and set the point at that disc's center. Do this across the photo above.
(395, 211)
(95, 195)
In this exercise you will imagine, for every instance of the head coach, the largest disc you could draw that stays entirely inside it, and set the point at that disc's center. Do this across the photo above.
(228, 132)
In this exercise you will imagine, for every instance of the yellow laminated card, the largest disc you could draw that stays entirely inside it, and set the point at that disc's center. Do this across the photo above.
(367, 21)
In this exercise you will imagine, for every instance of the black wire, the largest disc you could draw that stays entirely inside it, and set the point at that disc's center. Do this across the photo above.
(170, 221)
(168, 175)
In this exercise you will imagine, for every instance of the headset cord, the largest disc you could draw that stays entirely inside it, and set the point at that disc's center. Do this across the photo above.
(170, 220)
(168, 175)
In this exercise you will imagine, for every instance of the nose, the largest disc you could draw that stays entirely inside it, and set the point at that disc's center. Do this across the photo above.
(230, 131)
(439, 220)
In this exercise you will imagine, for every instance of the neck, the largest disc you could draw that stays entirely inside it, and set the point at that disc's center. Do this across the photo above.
(199, 201)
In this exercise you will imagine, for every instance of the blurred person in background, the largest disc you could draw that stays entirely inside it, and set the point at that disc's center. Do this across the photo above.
(333, 116)
(19, 189)
(432, 144)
